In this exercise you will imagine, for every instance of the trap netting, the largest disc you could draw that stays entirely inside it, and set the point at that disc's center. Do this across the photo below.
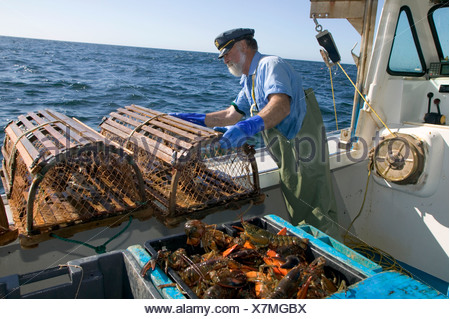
(183, 168)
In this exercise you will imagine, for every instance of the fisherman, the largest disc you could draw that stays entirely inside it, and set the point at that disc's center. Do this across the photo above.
(274, 103)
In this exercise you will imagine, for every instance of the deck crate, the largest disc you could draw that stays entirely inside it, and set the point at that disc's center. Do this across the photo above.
(337, 266)
(113, 275)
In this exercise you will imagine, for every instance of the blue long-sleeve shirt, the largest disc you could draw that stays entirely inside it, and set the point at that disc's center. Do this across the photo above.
(273, 75)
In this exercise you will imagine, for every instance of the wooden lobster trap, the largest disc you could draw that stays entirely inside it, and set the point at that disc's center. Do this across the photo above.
(185, 173)
(60, 175)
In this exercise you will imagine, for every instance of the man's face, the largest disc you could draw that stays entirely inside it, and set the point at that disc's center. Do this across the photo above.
(235, 59)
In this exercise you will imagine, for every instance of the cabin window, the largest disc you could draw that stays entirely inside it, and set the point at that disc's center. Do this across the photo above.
(438, 18)
(406, 56)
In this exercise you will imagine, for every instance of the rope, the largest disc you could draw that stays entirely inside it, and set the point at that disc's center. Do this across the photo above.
(384, 124)
(376, 255)
(334, 102)
(380, 257)
(246, 210)
(98, 249)
(81, 279)
(362, 205)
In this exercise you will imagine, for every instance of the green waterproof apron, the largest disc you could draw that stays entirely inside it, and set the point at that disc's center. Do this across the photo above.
(305, 176)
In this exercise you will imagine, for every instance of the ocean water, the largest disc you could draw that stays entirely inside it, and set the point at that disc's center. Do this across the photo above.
(88, 81)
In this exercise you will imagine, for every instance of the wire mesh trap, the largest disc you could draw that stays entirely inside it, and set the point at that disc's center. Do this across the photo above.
(60, 175)
(185, 173)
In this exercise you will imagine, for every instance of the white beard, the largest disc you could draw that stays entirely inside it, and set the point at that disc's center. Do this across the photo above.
(237, 68)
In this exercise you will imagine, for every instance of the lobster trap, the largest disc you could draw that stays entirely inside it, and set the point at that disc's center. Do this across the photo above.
(60, 176)
(186, 174)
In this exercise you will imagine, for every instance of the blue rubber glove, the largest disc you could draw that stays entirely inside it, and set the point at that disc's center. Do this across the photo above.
(196, 118)
(222, 129)
(237, 135)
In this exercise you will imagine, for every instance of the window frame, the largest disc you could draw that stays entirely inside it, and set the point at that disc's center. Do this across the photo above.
(408, 13)
(433, 29)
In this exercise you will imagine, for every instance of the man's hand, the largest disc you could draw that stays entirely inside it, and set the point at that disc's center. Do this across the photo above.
(196, 118)
(236, 135)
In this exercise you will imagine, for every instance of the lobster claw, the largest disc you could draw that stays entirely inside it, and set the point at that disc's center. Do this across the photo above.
(150, 264)
(303, 292)
(291, 262)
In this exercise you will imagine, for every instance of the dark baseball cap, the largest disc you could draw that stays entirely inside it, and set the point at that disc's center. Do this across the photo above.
(225, 41)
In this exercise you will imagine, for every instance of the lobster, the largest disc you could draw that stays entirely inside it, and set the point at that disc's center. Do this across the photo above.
(261, 237)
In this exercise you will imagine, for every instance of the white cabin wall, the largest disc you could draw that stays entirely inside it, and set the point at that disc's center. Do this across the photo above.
(408, 221)
(349, 186)
(405, 100)
(414, 229)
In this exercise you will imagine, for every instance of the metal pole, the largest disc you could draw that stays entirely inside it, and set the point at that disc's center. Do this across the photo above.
(366, 47)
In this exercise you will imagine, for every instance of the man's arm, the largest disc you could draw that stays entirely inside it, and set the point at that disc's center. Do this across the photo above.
(225, 117)
(272, 114)
(276, 110)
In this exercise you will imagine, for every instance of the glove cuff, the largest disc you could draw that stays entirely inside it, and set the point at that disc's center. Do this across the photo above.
(196, 118)
(252, 125)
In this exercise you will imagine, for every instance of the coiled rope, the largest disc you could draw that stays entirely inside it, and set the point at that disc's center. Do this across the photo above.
(380, 257)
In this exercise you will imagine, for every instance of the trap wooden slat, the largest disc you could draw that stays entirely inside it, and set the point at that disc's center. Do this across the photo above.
(82, 129)
(120, 203)
(158, 195)
(24, 146)
(5, 177)
(57, 135)
(157, 133)
(5, 173)
(131, 135)
(62, 128)
(49, 145)
(174, 125)
(155, 122)
(74, 133)
(139, 141)
(177, 123)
